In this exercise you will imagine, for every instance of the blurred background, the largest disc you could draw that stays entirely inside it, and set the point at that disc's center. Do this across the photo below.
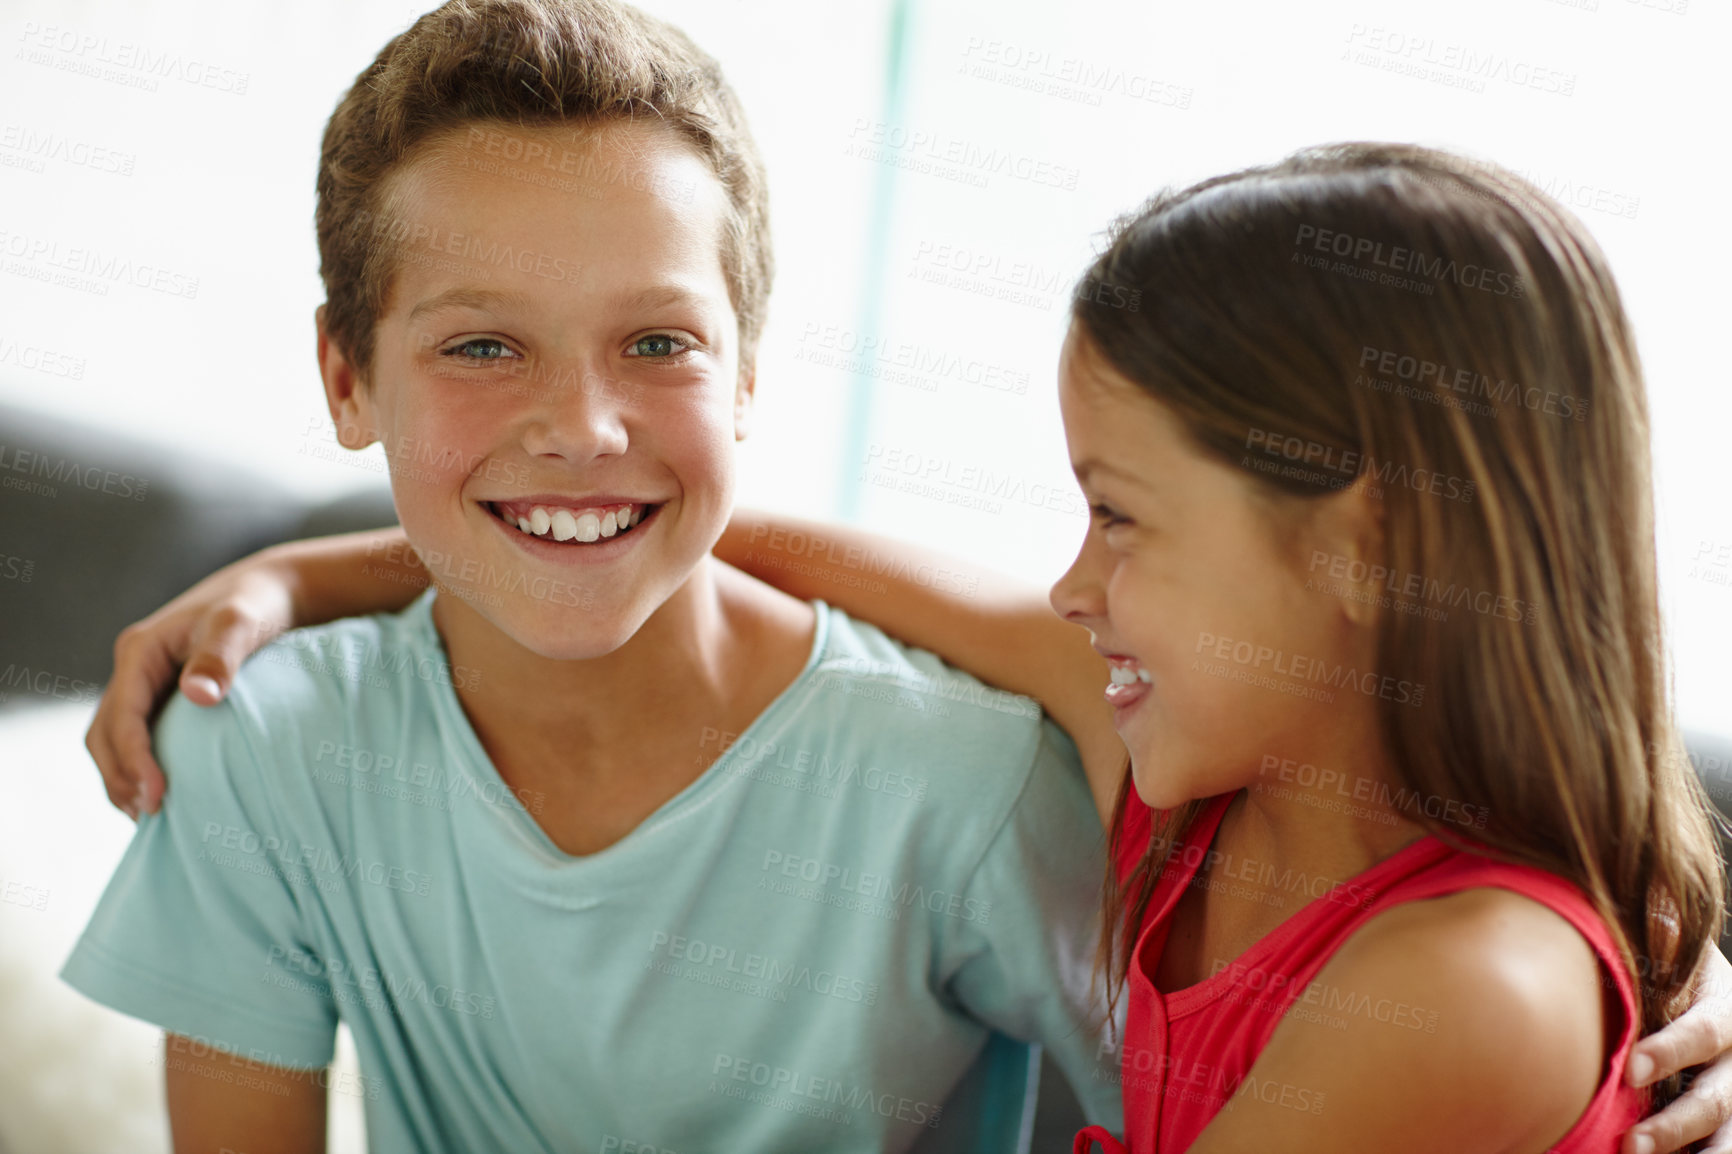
(941, 172)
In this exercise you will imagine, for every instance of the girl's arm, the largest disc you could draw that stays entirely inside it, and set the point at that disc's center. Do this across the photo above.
(998, 629)
(213, 627)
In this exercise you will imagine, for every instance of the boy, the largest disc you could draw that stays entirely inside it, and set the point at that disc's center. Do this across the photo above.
(602, 845)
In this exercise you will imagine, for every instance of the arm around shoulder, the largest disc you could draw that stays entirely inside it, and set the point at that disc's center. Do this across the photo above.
(998, 629)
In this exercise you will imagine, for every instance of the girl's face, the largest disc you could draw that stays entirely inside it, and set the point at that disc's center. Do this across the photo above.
(1194, 586)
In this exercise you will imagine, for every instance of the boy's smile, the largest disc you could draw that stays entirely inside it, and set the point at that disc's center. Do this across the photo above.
(563, 357)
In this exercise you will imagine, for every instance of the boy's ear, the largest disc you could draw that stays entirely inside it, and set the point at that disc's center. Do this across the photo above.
(345, 391)
(744, 396)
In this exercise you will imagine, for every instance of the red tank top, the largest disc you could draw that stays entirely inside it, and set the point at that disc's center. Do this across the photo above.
(1184, 1054)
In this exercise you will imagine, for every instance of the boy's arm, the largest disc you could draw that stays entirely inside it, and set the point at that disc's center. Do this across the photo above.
(998, 629)
(220, 1102)
(216, 624)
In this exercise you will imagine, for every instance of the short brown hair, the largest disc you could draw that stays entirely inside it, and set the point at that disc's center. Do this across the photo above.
(531, 63)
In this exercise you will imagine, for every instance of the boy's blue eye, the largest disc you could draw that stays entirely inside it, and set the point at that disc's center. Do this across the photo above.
(658, 345)
(480, 349)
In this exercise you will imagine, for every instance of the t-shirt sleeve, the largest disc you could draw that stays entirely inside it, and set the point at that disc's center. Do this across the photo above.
(1025, 968)
(202, 927)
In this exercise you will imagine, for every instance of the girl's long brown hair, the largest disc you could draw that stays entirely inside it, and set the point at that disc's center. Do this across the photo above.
(1272, 300)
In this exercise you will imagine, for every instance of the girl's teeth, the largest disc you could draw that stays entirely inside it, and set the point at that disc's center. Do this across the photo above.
(1125, 675)
(539, 521)
(609, 525)
(565, 526)
(588, 527)
(636, 514)
(523, 523)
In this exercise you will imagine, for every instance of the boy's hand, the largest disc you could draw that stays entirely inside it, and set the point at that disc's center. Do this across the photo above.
(211, 628)
(1701, 1034)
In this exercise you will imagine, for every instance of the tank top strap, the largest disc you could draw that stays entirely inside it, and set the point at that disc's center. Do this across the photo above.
(1465, 870)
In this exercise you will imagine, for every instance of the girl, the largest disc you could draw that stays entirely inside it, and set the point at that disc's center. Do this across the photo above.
(1407, 855)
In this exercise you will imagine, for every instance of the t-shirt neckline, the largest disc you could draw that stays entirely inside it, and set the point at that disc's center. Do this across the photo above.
(695, 792)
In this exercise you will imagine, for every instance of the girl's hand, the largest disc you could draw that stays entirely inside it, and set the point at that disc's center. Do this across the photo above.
(1701, 1034)
(211, 628)
(208, 631)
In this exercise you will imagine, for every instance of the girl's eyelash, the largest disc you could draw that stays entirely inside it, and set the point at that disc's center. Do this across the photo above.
(1107, 516)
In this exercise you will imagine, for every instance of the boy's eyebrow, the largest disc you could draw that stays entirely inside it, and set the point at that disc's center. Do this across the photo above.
(473, 298)
(658, 296)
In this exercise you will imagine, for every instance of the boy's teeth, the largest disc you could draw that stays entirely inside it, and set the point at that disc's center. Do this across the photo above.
(562, 524)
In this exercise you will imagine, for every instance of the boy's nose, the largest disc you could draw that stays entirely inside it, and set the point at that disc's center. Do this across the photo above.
(578, 418)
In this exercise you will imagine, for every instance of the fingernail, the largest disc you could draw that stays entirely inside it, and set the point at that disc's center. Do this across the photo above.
(206, 686)
(1642, 1070)
(1644, 1144)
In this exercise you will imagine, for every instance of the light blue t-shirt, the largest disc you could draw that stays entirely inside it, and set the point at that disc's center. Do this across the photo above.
(827, 942)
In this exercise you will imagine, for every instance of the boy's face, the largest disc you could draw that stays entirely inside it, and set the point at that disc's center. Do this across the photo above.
(558, 351)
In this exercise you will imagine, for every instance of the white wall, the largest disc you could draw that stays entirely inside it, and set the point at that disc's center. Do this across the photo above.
(219, 188)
